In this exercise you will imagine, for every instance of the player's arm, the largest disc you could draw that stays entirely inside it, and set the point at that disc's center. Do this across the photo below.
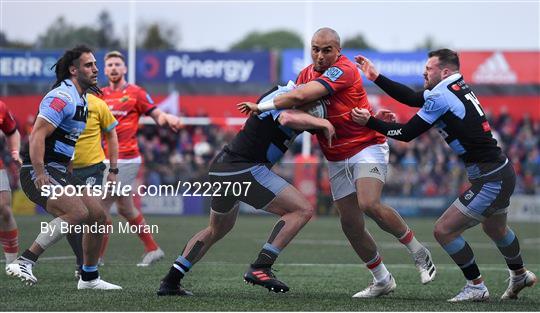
(299, 120)
(165, 119)
(13, 141)
(41, 130)
(402, 132)
(394, 89)
(108, 129)
(112, 144)
(309, 92)
(145, 105)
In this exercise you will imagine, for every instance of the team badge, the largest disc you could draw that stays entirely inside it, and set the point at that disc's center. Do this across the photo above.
(333, 73)
(91, 180)
(429, 105)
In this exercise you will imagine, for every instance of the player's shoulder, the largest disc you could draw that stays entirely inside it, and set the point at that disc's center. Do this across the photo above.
(434, 100)
(64, 93)
(343, 67)
(306, 70)
(132, 88)
(444, 86)
(344, 64)
(304, 74)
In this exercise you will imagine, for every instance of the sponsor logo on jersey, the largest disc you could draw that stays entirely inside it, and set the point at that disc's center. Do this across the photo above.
(64, 94)
(118, 112)
(57, 104)
(333, 73)
(394, 132)
(124, 99)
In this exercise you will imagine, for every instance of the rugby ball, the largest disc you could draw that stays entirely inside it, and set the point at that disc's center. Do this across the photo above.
(318, 109)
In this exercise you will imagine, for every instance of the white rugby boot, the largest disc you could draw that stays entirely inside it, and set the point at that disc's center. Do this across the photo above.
(22, 269)
(518, 283)
(151, 257)
(475, 293)
(375, 289)
(98, 284)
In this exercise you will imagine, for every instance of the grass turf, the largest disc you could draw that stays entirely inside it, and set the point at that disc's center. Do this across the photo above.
(319, 266)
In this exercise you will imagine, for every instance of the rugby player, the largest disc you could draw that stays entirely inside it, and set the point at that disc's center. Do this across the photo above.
(9, 235)
(450, 105)
(128, 102)
(61, 119)
(246, 162)
(358, 159)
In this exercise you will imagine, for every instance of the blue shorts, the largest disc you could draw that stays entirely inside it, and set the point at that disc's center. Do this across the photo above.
(256, 185)
(488, 195)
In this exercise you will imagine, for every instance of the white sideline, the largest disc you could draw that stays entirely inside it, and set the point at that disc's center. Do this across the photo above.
(526, 242)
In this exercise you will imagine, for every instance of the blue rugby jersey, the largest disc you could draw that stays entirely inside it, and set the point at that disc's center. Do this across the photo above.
(67, 111)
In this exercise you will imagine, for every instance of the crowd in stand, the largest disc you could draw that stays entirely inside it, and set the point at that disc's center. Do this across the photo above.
(424, 167)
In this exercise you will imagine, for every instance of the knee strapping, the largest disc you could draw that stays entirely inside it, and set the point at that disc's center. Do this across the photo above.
(52, 234)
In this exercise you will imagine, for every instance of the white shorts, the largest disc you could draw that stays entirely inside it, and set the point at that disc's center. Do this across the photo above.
(370, 162)
(128, 170)
(4, 181)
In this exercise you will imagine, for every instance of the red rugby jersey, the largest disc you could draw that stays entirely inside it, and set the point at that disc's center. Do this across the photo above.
(127, 105)
(7, 124)
(344, 84)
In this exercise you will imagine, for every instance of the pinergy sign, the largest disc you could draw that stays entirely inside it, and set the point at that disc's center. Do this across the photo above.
(205, 67)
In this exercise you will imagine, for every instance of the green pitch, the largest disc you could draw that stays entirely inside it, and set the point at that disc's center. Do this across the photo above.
(319, 266)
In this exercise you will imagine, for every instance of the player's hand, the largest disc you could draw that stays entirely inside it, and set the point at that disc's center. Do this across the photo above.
(174, 122)
(16, 158)
(360, 116)
(329, 132)
(248, 107)
(386, 115)
(112, 177)
(41, 180)
(365, 65)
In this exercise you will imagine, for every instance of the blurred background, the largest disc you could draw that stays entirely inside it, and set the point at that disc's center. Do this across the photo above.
(198, 59)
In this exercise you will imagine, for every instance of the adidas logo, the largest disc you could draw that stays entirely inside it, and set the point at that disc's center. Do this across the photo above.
(495, 69)
(375, 170)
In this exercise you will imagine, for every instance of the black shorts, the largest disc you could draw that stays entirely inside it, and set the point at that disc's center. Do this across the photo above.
(57, 177)
(255, 185)
(90, 175)
(488, 195)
